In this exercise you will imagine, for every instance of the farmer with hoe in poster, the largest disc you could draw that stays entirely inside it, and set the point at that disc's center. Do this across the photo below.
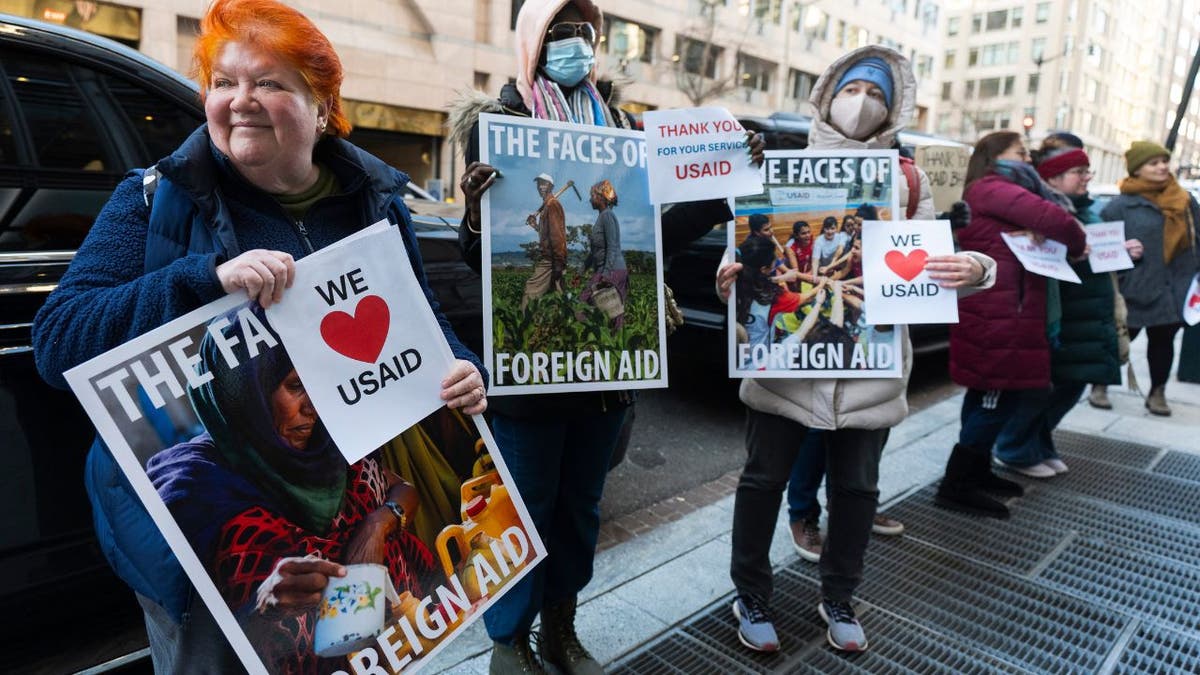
(551, 225)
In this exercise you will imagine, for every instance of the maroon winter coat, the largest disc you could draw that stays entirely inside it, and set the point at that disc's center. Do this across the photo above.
(1000, 339)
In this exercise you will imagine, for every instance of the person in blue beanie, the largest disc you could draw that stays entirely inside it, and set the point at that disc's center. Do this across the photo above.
(862, 101)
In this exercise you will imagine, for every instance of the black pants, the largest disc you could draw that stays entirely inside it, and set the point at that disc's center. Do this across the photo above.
(852, 477)
(1160, 350)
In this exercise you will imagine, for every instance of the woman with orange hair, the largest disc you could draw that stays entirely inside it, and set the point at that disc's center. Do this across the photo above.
(605, 258)
(268, 179)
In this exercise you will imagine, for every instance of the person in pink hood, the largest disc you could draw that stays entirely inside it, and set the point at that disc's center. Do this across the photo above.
(557, 446)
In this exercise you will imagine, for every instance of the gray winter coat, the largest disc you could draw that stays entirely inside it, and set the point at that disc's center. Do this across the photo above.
(1153, 290)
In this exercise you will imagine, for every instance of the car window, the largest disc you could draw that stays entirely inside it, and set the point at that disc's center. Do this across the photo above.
(8, 145)
(160, 123)
(63, 133)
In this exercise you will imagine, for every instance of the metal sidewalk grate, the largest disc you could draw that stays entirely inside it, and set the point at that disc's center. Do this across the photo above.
(1097, 570)
(1180, 465)
(1133, 455)
(677, 654)
(1132, 488)
(900, 646)
(798, 625)
(1154, 651)
(1098, 520)
(993, 541)
(1126, 580)
(1009, 617)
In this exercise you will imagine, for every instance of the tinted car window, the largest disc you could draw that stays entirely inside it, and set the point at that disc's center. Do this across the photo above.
(62, 131)
(8, 136)
(159, 124)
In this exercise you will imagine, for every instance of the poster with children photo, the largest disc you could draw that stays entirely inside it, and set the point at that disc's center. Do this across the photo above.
(572, 265)
(798, 308)
(309, 562)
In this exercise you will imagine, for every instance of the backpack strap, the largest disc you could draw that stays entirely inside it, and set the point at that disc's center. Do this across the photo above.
(150, 179)
(909, 168)
(172, 231)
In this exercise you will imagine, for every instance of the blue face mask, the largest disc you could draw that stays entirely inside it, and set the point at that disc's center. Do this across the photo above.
(568, 61)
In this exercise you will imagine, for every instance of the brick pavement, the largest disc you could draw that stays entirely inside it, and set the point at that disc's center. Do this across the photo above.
(631, 525)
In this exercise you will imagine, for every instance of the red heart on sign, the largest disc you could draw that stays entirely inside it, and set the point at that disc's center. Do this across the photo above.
(361, 336)
(906, 266)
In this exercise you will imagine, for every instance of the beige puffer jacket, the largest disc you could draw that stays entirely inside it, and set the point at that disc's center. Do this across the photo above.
(855, 403)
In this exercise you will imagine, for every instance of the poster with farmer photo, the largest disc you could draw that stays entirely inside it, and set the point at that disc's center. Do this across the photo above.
(310, 562)
(797, 309)
(572, 273)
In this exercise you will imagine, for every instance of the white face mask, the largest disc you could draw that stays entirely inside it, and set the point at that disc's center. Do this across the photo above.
(857, 116)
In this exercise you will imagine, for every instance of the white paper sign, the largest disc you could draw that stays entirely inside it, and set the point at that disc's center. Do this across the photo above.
(1048, 258)
(364, 340)
(572, 284)
(697, 153)
(1191, 305)
(895, 284)
(1107, 241)
(816, 324)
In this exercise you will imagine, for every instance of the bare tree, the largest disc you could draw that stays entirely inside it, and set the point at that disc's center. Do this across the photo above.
(696, 63)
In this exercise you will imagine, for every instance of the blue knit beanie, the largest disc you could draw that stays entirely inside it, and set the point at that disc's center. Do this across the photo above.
(872, 69)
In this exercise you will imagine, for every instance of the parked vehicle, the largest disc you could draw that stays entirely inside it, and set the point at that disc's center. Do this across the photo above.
(77, 111)
(1101, 195)
(691, 273)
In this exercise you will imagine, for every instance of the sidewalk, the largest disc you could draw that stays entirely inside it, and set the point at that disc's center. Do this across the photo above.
(652, 582)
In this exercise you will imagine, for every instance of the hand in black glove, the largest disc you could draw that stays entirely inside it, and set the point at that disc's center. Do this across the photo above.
(959, 215)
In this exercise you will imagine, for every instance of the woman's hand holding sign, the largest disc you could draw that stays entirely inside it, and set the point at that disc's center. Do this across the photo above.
(756, 146)
(477, 178)
(726, 275)
(463, 388)
(263, 274)
(954, 271)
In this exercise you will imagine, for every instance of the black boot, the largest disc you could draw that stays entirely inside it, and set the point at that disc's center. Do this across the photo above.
(960, 489)
(560, 645)
(990, 482)
(515, 659)
(987, 481)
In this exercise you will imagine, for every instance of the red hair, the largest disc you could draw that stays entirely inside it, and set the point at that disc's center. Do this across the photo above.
(278, 29)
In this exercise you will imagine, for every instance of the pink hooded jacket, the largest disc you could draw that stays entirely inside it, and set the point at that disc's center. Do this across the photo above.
(532, 23)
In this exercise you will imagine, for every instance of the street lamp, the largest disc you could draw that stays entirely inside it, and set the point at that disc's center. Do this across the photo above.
(1028, 121)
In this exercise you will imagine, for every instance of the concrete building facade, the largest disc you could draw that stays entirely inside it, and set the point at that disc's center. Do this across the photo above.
(407, 60)
(1110, 71)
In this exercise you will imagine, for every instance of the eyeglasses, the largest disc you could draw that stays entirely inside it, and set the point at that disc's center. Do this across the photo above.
(1081, 171)
(569, 29)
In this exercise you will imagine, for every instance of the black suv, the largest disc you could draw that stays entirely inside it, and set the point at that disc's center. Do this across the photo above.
(76, 111)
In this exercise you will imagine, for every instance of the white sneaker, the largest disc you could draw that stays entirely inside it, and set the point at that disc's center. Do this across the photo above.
(1057, 464)
(1039, 470)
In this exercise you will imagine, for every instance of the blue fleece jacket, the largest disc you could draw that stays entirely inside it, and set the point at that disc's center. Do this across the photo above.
(131, 276)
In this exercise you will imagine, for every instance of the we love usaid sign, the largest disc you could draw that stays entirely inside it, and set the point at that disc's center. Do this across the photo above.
(895, 284)
(364, 340)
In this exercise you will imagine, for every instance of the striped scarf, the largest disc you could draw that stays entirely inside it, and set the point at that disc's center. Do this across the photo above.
(583, 106)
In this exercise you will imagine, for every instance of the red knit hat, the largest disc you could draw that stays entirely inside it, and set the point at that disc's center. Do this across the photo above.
(1060, 163)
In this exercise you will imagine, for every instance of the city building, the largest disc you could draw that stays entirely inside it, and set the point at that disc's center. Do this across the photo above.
(407, 60)
(1110, 71)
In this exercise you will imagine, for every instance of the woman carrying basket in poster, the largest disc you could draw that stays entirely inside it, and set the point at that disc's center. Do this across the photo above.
(608, 286)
